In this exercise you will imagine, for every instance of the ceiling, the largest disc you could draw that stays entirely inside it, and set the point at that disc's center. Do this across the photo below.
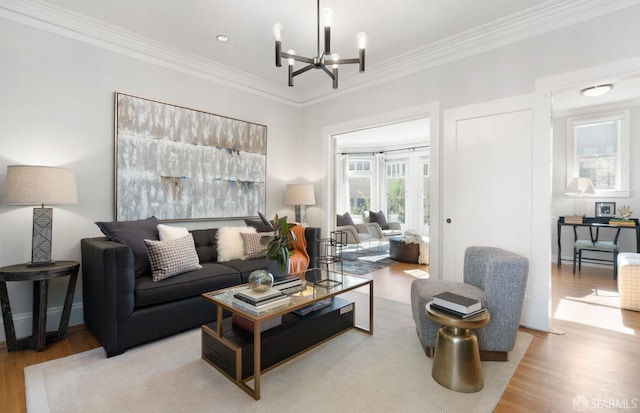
(412, 29)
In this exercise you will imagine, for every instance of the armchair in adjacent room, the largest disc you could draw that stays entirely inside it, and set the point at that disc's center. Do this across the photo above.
(496, 277)
(379, 227)
(355, 233)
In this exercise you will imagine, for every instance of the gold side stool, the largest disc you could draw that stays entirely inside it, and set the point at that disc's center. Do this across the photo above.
(456, 359)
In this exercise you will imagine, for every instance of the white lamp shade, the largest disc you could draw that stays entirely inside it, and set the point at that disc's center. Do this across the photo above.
(299, 194)
(580, 186)
(33, 185)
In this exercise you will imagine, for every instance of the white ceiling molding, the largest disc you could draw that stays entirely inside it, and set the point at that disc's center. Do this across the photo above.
(534, 21)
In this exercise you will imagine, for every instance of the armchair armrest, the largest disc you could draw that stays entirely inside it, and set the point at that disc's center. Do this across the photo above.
(375, 230)
(396, 226)
(353, 236)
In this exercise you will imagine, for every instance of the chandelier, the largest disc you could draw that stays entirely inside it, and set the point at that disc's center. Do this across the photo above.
(324, 58)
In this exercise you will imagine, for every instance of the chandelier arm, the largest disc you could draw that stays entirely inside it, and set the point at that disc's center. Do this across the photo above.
(327, 71)
(302, 70)
(296, 58)
(347, 61)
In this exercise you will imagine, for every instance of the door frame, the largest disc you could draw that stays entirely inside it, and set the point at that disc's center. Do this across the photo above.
(431, 111)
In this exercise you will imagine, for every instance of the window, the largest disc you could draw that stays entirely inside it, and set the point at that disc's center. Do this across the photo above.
(360, 180)
(598, 148)
(396, 185)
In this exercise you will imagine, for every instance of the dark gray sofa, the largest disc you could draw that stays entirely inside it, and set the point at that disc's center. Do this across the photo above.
(123, 310)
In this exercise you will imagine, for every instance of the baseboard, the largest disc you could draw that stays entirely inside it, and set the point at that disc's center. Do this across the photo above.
(22, 322)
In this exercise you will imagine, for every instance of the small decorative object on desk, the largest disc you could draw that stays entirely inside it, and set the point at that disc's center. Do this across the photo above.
(260, 280)
(573, 219)
(456, 302)
(625, 212)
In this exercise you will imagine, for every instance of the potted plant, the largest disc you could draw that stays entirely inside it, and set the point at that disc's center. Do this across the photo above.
(278, 246)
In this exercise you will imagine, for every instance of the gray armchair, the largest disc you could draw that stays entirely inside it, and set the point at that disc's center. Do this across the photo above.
(496, 277)
(356, 234)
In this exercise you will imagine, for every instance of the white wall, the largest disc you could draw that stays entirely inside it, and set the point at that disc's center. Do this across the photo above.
(57, 109)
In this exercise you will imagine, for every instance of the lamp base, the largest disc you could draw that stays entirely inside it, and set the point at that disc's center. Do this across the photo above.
(41, 241)
(301, 213)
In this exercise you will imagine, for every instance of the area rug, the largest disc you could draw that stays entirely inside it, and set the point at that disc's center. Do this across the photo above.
(354, 372)
(366, 260)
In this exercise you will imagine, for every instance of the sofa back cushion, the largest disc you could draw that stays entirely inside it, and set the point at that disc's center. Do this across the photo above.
(206, 244)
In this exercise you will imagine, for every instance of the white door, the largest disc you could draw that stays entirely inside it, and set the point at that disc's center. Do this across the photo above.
(497, 190)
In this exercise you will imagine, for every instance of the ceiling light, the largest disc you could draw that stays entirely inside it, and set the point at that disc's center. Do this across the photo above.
(222, 38)
(596, 90)
(318, 62)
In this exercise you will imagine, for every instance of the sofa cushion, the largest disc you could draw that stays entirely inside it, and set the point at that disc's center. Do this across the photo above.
(132, 234)
(172, 257)
(230, 245)
(246, 267)
(210, 277)
(167, 232)
(206, 244)
(379, 218)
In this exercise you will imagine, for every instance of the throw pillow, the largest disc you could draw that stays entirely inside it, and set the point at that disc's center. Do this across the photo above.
(255, 244)
(379, 218)
(167, 232)
(345, 219)
(132, 234)
(257, 224)
(230, 244)
(172, 257)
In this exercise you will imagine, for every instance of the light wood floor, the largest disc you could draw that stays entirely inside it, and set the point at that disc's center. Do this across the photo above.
(593, 356)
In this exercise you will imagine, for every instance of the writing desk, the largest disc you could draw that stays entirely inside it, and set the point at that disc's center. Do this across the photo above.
(595, 222)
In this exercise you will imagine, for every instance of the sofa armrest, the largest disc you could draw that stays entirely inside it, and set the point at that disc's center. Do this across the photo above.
(312, 235)
(108, 283)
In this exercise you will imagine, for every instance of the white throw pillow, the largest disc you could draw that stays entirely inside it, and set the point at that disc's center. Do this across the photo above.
(168, 232)
(230, 244)
(172, 257)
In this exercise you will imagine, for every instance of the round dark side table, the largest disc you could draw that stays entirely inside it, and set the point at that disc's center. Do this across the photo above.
(40, 275)
(456, 359)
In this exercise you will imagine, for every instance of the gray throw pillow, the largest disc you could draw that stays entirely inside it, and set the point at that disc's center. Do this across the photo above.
(379, 218)
(345, 219)
(132, 234)
(172, 257)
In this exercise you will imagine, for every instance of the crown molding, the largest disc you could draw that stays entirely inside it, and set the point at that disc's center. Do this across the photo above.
(534, 21)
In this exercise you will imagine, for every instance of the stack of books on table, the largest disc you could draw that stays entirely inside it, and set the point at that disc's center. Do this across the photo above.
(257, 302)
(457, 305)
(289, 285)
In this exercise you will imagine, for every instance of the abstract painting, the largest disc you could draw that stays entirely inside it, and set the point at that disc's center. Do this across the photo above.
(183, 164)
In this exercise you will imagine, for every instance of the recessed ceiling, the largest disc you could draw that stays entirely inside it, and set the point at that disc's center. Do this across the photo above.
(393, 28)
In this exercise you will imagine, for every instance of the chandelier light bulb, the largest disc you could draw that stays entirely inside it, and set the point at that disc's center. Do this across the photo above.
(362, 40)
(335, 57)
(277, 31)
(327, 17)
(291, 60)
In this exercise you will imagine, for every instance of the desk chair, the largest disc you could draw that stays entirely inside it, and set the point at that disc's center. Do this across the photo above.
(596, 245)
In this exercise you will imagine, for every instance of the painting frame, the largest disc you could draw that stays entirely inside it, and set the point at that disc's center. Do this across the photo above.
(605, 209)
(182, 164)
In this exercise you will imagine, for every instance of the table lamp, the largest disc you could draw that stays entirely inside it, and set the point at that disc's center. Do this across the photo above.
(299, 195)
(578, 188)
(40, 185)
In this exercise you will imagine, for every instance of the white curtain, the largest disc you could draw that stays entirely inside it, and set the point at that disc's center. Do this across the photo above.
(342, 183)
(379, 200)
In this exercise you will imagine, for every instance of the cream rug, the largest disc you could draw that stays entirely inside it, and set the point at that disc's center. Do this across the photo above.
(354, 372)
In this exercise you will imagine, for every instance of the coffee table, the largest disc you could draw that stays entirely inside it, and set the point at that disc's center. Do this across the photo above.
(311, 293)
